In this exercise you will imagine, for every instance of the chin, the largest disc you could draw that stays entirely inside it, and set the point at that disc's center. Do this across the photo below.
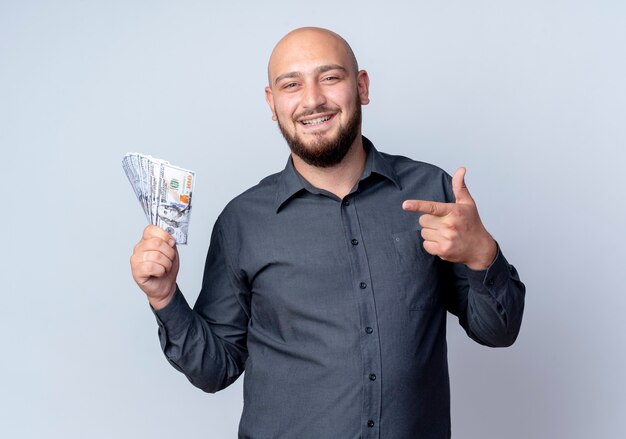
(327, 147)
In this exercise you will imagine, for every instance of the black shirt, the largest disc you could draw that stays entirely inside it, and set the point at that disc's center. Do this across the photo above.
(334, 309)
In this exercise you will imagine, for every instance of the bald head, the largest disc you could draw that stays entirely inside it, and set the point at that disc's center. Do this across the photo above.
(309, 44)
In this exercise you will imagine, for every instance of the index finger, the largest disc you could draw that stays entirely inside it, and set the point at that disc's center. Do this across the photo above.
(429, 207)
(153, 231)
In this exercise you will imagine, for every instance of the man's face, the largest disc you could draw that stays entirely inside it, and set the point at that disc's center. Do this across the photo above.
(315, 95)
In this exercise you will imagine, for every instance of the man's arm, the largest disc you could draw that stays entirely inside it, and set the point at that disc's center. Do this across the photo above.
(207, 343)
(484, 291)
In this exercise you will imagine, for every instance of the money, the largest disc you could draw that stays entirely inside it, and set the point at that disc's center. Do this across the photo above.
(164, 192)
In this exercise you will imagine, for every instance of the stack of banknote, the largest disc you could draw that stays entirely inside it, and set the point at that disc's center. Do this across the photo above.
(164, 192)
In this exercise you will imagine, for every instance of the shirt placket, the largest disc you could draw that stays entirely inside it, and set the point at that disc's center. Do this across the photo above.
(370, 343)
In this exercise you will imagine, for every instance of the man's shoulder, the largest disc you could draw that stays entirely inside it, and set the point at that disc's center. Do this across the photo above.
(256, 199)
(265, 187)
(406, 167)
(421, 179)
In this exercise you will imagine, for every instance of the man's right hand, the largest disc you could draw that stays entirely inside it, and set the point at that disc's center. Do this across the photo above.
(154, 265)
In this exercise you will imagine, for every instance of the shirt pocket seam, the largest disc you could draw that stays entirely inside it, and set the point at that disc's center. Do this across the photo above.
(410, 257)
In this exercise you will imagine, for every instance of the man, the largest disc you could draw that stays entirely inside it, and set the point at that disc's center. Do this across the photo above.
(324, 282)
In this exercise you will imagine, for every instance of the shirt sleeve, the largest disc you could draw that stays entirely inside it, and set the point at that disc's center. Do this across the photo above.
(489, 303)
(208, 343)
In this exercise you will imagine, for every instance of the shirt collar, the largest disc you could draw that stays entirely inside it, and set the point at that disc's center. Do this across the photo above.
(290, 182)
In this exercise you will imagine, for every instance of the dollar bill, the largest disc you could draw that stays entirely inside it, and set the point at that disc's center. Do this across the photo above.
(130, 163)
(164, 192)
(174, 205)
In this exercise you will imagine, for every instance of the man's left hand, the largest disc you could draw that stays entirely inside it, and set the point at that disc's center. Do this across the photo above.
(454, 231)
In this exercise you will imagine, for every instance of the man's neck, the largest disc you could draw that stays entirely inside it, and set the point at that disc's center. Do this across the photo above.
(338, 179)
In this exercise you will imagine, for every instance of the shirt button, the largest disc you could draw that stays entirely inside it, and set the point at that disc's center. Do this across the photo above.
(370, 423)
(346, 202)
(362, 285)
(355, 242)
(369, 330)
(490, 282)
(372, 377)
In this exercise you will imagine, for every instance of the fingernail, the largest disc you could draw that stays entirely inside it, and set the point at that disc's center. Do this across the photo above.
(172, 242)
(407, 205)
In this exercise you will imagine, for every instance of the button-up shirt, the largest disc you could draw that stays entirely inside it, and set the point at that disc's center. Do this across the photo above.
(334, 309)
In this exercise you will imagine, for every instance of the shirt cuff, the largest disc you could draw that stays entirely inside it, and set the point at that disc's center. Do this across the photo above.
(174, 318)
(494, 276)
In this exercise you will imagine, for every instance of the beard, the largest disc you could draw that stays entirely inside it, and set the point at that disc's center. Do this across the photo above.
(324, 153)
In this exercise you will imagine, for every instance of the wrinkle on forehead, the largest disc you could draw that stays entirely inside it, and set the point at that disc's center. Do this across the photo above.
(307, 36)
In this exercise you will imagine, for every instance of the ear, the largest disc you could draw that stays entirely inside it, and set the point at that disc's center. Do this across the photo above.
(363, 86)
(269, 98)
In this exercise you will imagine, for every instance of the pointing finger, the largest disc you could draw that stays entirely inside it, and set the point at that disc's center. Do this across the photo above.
(429, 207)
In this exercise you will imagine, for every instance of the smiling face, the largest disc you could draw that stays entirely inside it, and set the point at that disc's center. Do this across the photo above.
(315, 95)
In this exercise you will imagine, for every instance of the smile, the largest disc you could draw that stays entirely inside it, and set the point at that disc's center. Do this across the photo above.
(317, 120)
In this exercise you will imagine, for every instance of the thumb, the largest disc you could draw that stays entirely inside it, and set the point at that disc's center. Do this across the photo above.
(461, 193)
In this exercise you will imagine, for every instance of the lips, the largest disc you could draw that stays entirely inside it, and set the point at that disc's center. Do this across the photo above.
(315, 121)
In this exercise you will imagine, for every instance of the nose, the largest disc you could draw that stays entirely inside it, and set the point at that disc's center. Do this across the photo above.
(313, 96)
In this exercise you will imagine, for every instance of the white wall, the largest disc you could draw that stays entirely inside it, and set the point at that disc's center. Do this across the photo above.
(530, 96)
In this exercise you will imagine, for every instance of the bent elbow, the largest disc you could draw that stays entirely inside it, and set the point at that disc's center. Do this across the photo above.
(505, 340)
(499, 337)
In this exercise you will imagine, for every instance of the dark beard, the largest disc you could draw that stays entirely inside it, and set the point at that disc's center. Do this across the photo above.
(326, 153)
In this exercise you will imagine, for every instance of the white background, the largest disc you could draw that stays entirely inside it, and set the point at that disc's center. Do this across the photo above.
(530, 96)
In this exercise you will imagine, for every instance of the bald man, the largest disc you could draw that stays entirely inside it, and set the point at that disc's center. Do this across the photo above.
(329, 282)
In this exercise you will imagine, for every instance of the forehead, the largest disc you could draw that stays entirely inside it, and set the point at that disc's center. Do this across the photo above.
(304, 51)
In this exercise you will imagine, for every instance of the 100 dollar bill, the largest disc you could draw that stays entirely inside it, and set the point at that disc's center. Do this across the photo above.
(164, 192)
(173, 208)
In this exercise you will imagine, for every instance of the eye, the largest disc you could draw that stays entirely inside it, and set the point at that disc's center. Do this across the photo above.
(290, 85)
(330, 78)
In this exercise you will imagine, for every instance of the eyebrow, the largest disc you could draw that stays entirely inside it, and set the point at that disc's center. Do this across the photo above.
(318, 70)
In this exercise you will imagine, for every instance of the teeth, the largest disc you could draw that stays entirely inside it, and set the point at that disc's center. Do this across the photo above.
(316, 121)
